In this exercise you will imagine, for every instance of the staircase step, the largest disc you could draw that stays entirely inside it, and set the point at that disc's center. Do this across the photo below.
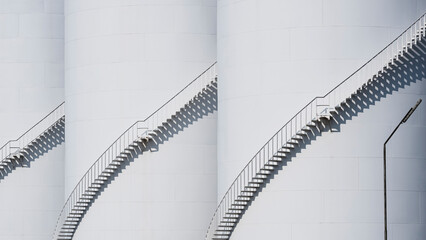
(119, 159)
(238, 204)
(288, 146)
(78, 208)
(302, 133)
(275, 159)
(135, 144)
(82, 204)
(71, 227)
(248, 190)
(228, 220)
(243, 198)
(221, 234)
(265, 171)
(271, 164)
(87, 197)
(234, 211)
(258, 181)
(242, 201)
(77, 211)
(260, 177)
(228, 224)
(71, 224)
(62, 235)
(297, 137)
(112, 167)
(307, 129)
(285, 150)
(71, 221)
(76, 215)
(279, 155)
(129, 149)
(89, 194)
(311, 124)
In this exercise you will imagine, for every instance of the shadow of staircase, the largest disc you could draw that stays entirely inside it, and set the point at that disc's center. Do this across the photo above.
(199, 107)
(408, 70)
(48, 140)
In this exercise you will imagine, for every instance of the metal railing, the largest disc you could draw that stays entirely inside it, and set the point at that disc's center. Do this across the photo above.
(313, 110)
(13, 147)
(138, 130)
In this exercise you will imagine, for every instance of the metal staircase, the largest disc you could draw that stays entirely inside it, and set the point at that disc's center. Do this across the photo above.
(136, 137)
(12, 153)
(321, 109)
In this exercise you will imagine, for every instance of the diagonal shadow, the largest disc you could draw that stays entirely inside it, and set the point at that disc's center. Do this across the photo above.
(407, 71)
(50, 139)
(198, 108)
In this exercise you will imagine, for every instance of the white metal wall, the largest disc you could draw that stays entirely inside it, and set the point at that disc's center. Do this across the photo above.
(274, 57)
(31, 85)
(32, 198)
(333, 189)
(124, 59)
(31, 63)
(162, 195)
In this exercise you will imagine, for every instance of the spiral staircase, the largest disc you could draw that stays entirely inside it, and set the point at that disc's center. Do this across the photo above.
(133, 140)
(308, 121)
(252, 177)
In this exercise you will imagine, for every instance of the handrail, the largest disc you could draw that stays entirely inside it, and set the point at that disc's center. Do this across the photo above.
(180, 91)
(418, 20)
(32, 133)
(313, 110)
(138, 130)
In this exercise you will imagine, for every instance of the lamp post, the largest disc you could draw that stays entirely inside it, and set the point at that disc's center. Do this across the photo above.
(407, 116)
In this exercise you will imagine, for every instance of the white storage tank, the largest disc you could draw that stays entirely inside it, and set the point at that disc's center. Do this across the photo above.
(31, 85)
(276, 56)
(124, 59)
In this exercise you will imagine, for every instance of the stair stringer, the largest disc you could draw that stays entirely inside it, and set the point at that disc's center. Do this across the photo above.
(310, 120)
(331, 185)
(142, 136)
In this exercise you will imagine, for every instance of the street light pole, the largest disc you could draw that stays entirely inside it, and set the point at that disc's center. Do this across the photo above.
(407, 116)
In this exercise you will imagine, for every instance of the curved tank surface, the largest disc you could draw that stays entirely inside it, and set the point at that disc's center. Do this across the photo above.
(31, 85)
(125, 59)
(273, 58)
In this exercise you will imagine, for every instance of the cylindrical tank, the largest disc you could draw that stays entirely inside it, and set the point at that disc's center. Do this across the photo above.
(273, 58)
(31, 63)
(124, 59)
(31, 85)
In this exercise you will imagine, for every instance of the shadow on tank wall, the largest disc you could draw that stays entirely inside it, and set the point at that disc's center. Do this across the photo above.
(409, 70)
(54, 137)
(197, 109)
